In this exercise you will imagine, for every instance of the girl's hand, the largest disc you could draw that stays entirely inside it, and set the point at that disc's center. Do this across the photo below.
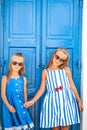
(11, 109)
(28, 104)
(81, 106)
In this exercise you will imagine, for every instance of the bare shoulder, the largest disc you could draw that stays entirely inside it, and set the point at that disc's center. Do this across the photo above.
(44, 73)
(68, 71)
(4, 80)
(25, 79)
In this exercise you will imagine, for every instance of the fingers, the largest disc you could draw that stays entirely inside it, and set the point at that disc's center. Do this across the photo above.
(28, 104)
(12, 109)
(81, 107)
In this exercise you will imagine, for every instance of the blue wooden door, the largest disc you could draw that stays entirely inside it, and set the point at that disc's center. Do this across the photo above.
(22, 34)
(60, 28)
(36, 28)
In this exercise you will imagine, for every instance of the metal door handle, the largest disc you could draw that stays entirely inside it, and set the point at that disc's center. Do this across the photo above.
(42, 66)
(9, 39)
(1, 68)
(78, 64)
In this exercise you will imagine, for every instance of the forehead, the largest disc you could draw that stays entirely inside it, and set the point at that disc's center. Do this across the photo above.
(18, 58)
(61, 54)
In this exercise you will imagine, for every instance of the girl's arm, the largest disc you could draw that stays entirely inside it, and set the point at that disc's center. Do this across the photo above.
(3, 94)
(40, 91)
(25, 89)
(74, 88)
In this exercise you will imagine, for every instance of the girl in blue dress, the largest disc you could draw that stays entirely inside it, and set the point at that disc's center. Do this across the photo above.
(14, 95)
(59, 109)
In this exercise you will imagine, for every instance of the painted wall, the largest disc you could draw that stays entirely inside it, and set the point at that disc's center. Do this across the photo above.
(84, 66)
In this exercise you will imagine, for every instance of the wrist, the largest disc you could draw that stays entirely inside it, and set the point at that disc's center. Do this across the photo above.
(33, 101)
(8, 106)
(79, 101)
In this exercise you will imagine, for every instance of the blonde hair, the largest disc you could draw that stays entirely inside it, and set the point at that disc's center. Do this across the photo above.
(65, 63)
(21, 71)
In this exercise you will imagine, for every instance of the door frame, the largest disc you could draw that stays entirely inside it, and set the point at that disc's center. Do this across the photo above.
(84, 67)
(1, 55)
(1, 35)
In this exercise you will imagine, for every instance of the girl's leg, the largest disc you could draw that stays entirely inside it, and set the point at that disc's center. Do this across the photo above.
(56, 128)
(65, 127)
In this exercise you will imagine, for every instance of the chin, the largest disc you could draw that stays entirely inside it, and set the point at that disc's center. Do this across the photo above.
(56, 64)
(16, 70)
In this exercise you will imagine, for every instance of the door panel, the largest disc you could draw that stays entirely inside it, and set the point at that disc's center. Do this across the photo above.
(22, 36)
(60, 29)
(22, 19)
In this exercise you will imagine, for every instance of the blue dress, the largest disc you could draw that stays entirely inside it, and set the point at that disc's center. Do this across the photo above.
(20, 120)
(59, 107)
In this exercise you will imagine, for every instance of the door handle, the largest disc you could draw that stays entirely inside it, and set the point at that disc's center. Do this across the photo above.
(2, 66)
(42, 66)
(78, 64)
(1, 69)
(9, 40)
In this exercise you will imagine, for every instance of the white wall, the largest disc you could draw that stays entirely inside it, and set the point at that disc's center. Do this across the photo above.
(84, 66)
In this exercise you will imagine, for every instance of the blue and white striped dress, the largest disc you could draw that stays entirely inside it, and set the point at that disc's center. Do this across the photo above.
(59, 107)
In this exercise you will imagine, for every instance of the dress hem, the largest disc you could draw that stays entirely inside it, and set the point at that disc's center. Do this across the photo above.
(59, 125)
(20, 127)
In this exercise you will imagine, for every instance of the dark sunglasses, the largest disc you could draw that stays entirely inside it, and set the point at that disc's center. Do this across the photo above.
(60, 59)
(19, 63)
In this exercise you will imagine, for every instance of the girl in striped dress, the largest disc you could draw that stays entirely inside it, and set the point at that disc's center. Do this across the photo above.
(59, 109)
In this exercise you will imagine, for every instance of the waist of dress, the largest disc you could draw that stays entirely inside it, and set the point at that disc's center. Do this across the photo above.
(56, 89)
(15, 91)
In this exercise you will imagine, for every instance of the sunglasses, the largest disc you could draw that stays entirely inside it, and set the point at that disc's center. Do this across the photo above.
(60, 59)
(19, 63)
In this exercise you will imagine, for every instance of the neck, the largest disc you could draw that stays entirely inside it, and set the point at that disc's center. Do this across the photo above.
(53, 67)
(14, 74)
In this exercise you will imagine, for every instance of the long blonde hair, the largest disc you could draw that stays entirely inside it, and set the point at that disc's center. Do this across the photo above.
(65, 63)
(21, 71)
